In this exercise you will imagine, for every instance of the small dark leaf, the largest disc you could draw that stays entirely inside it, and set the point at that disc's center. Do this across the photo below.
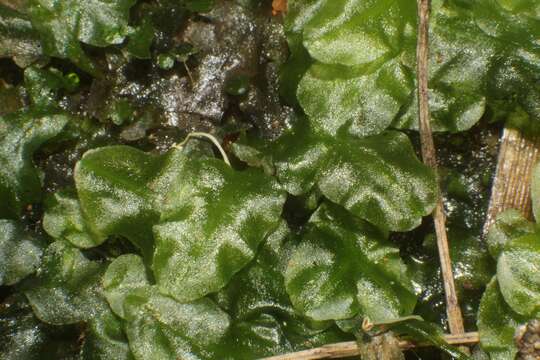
(140, 40)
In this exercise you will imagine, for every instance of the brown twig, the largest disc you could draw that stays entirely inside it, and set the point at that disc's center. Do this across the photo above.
(350, 348)
(455, 319)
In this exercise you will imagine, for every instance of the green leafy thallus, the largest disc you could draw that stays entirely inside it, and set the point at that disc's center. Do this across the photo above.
(329, 192)
(361, 76)
(131, 161)
(513, 296)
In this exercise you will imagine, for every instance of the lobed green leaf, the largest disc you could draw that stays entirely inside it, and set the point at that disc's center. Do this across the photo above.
(160, 327)
(497, 324)
(66, 289)
(21, 134)
(219, 218)
(20, 252)
(263, 320)
(125, 274)
(508, 225)
(105, 339)
(62, 25)
(377, 178)
(518, 275)
(343, 267)
(483, 54)
(201, 213)
(63, 219)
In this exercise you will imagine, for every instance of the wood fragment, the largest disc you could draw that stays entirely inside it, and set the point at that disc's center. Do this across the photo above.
(279, 7)
(350, 348)
(455, 319)
(512, 183)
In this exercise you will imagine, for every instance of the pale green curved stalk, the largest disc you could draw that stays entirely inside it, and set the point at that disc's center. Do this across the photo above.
(210, 137)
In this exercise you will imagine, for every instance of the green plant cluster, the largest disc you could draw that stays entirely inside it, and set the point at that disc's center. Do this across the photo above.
(512, 297)
(147, 250)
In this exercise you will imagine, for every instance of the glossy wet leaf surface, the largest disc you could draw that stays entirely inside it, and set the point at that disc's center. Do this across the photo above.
(63, 25)
(66, 289)
(378, 178)
(518, 274)
(115, 192)
(156, 252)
(159, 327)
(497, 324)
(264, 279)
(364, 76)
(21, 134)
(105, 338)
(18, 40)
(344, 267)
(125, 274)
(200, 213)
(23, 336)
(264, 321)
(260, 322)
(20, 252)
(512, 297)
(508, 225)
(239, 210)
(63, 219)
